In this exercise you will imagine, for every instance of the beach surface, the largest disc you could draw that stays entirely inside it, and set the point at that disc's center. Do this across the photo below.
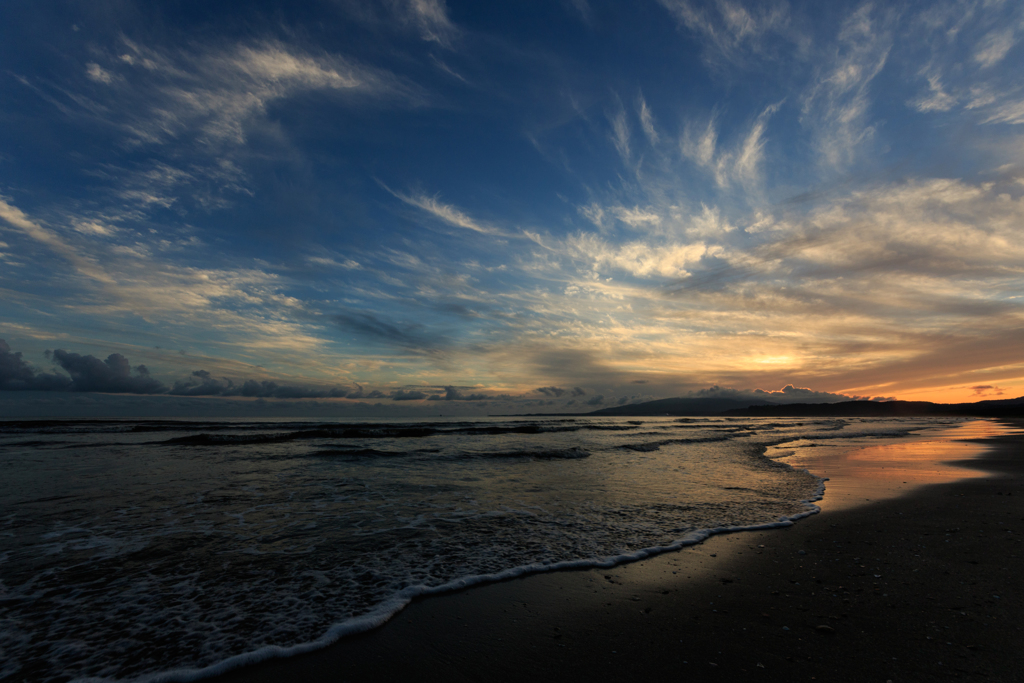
(911, 572)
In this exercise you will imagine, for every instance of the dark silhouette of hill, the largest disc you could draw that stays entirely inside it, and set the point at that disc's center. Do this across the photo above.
(676, 406)
(1011, 407)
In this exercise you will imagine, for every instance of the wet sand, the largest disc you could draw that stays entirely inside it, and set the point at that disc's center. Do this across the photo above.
(911, 572)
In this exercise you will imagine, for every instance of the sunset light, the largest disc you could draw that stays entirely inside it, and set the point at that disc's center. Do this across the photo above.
(421, 195)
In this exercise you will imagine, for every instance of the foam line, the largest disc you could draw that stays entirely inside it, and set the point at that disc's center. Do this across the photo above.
(389, 608)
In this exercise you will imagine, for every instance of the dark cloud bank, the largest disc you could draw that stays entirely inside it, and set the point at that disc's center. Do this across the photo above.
(85, 373)
(202, 383)
(557, 392)
(115, 375)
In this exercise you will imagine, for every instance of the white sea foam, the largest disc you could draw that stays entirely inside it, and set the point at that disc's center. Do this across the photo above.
(387, 609)
(234, 554)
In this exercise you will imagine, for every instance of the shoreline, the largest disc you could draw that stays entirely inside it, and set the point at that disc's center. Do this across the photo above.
(841, 587)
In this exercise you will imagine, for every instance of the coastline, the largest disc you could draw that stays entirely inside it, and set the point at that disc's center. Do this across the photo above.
(895, 589)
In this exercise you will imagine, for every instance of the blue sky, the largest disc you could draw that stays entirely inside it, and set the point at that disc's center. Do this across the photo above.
(408, 201)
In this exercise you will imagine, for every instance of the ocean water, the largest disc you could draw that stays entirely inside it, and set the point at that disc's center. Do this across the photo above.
(170, 549)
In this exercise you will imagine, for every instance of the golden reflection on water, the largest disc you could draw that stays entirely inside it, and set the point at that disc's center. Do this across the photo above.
(860, 471)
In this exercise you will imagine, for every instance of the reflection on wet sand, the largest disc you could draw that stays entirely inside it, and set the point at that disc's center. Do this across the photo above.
(861, 471)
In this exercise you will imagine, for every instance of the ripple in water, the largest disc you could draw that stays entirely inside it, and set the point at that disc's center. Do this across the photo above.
(125, 556)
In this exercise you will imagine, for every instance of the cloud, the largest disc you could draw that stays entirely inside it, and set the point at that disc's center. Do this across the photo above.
(412, 337)
(646, 120)
(731, 32)
(837, 104)
(987, 390)
(637, 258)
(596, 400)
(684, 283)
(557, 392)
(446, 212)
(17, 218)
(742, 163)
(943, 228)
(431, 18)
(751, 153)
(198, 105)
(936, 100)
(202, 383)
(967, 45)
(97, 73)
(217, 92)
(455, 394)
(700, 148)
(448, 70)
(635, 217)
(1008, 112)
(620, 135)
(362, 393)
(994, 46)
(709, 224)
(402, 395)
(787, 394)
(113, 375)
(345, 263)
(582, 7)
(16, 374)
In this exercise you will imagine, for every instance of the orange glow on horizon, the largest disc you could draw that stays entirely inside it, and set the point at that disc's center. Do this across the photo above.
(983, 391)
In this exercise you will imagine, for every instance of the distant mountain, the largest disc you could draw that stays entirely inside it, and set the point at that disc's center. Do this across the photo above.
(678, 406)
(1011, 407)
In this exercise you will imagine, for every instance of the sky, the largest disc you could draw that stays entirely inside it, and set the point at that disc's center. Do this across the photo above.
(453, 207)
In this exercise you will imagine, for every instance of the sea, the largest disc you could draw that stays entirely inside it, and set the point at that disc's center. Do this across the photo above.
(171, 550)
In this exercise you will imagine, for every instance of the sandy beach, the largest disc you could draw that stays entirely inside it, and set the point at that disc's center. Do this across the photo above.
(909, 573)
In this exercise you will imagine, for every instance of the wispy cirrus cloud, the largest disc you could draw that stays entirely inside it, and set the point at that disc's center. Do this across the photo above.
(1007, 112)
(186, 114)
(836, 107)
(700, 145)
(449, 214)
(936, 99)
(994, 47)
(583, 10)
(968, 42)
(742, 163)
(142, 280)
(647, 120)
(732, 32)
(431, 18)
(636, 258)
(620, 135)
(411, 337)
(725, 222)
(215, 93)
(16, 218)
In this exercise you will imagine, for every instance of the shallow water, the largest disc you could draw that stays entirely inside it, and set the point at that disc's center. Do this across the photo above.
(864, 470)
(160, 549)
